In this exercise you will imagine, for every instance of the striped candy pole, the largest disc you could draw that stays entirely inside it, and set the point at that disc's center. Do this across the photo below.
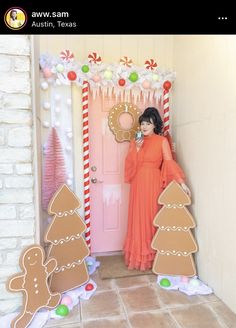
(166, 111)
(85, 89)
(166, 86)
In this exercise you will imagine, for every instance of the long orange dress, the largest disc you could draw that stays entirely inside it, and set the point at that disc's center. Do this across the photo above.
(148, 171)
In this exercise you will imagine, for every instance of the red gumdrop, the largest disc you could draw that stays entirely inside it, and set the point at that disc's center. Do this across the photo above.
(71, 75)
(121, 82)
(167, 85)
(89, 287)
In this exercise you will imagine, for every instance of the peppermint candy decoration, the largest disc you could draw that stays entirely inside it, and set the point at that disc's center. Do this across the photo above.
(94, 58)
(150, 64)
(67, 55)
(126, 61)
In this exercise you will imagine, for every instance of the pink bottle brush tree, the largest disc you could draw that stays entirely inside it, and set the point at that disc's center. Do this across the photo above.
(54, 170)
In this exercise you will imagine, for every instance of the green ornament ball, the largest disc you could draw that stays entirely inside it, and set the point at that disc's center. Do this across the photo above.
(108, 75)
(60, 68)
(62, 310)
(133, 77)
(165, 282)
(194, 282)
(155, 77)
(85, 69)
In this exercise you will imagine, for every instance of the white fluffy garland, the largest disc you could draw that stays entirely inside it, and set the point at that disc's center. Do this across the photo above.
(55, 70)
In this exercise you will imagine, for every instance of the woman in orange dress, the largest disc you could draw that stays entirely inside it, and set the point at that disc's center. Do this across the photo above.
(149, 167)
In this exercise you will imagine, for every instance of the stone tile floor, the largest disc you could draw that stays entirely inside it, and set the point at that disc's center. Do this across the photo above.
(138, 302)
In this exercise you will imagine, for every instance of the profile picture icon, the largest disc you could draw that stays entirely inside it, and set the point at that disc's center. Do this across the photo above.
(15, 18)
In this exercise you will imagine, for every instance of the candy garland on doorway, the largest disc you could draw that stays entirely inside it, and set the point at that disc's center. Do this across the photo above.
(125, 80)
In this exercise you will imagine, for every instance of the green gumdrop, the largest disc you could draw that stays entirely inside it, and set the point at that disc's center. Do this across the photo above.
(155, 77)
(60, 68)
(194, 282)
(133, 77)
(108, 75)
(85, 68)
(165, 282)
(62, 310)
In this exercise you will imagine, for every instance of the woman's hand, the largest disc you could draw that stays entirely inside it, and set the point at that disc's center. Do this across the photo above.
(139, 143)
(186, 189)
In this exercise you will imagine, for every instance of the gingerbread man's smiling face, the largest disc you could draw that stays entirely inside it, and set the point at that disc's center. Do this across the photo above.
(32, 257)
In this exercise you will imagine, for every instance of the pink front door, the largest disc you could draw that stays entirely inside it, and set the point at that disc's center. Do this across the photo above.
(109, 194)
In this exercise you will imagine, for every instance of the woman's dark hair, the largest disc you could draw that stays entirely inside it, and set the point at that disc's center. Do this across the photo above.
(11, 14)
(152, 115)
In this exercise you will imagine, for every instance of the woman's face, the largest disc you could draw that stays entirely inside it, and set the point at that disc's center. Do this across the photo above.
(147, 128)
(13, 14)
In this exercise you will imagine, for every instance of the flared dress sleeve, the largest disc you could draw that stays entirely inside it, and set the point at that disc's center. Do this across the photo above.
(131, 161)
(170, 170)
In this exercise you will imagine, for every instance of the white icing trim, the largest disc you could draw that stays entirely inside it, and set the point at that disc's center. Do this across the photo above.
(168, 252)
(62, 268)
(170, 228)
(66, 240)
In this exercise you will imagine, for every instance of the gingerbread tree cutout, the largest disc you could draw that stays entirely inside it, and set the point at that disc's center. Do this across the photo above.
(68, 246)
(173, 240)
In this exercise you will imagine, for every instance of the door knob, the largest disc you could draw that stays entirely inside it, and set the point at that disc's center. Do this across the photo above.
(95, 180)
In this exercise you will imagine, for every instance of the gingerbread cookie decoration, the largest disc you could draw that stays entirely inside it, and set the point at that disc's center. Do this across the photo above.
(68, 246)
(173, 240)
(33, 282)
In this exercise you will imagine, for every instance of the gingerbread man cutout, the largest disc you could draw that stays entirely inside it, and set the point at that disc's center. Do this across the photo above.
(33, 282)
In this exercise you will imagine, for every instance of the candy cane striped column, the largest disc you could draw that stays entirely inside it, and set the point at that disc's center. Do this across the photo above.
(166, 117)
(85, 89)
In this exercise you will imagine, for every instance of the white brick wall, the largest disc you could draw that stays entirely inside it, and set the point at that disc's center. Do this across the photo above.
(23, 168)
(19, 137)
(6, 169)
(17, 212)
(12, 101)
(2, 137)
(7, 212)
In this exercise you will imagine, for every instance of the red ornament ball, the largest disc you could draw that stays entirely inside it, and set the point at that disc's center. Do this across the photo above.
(71, 75)
(121, 82)
(89, 287)
(167, 85)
